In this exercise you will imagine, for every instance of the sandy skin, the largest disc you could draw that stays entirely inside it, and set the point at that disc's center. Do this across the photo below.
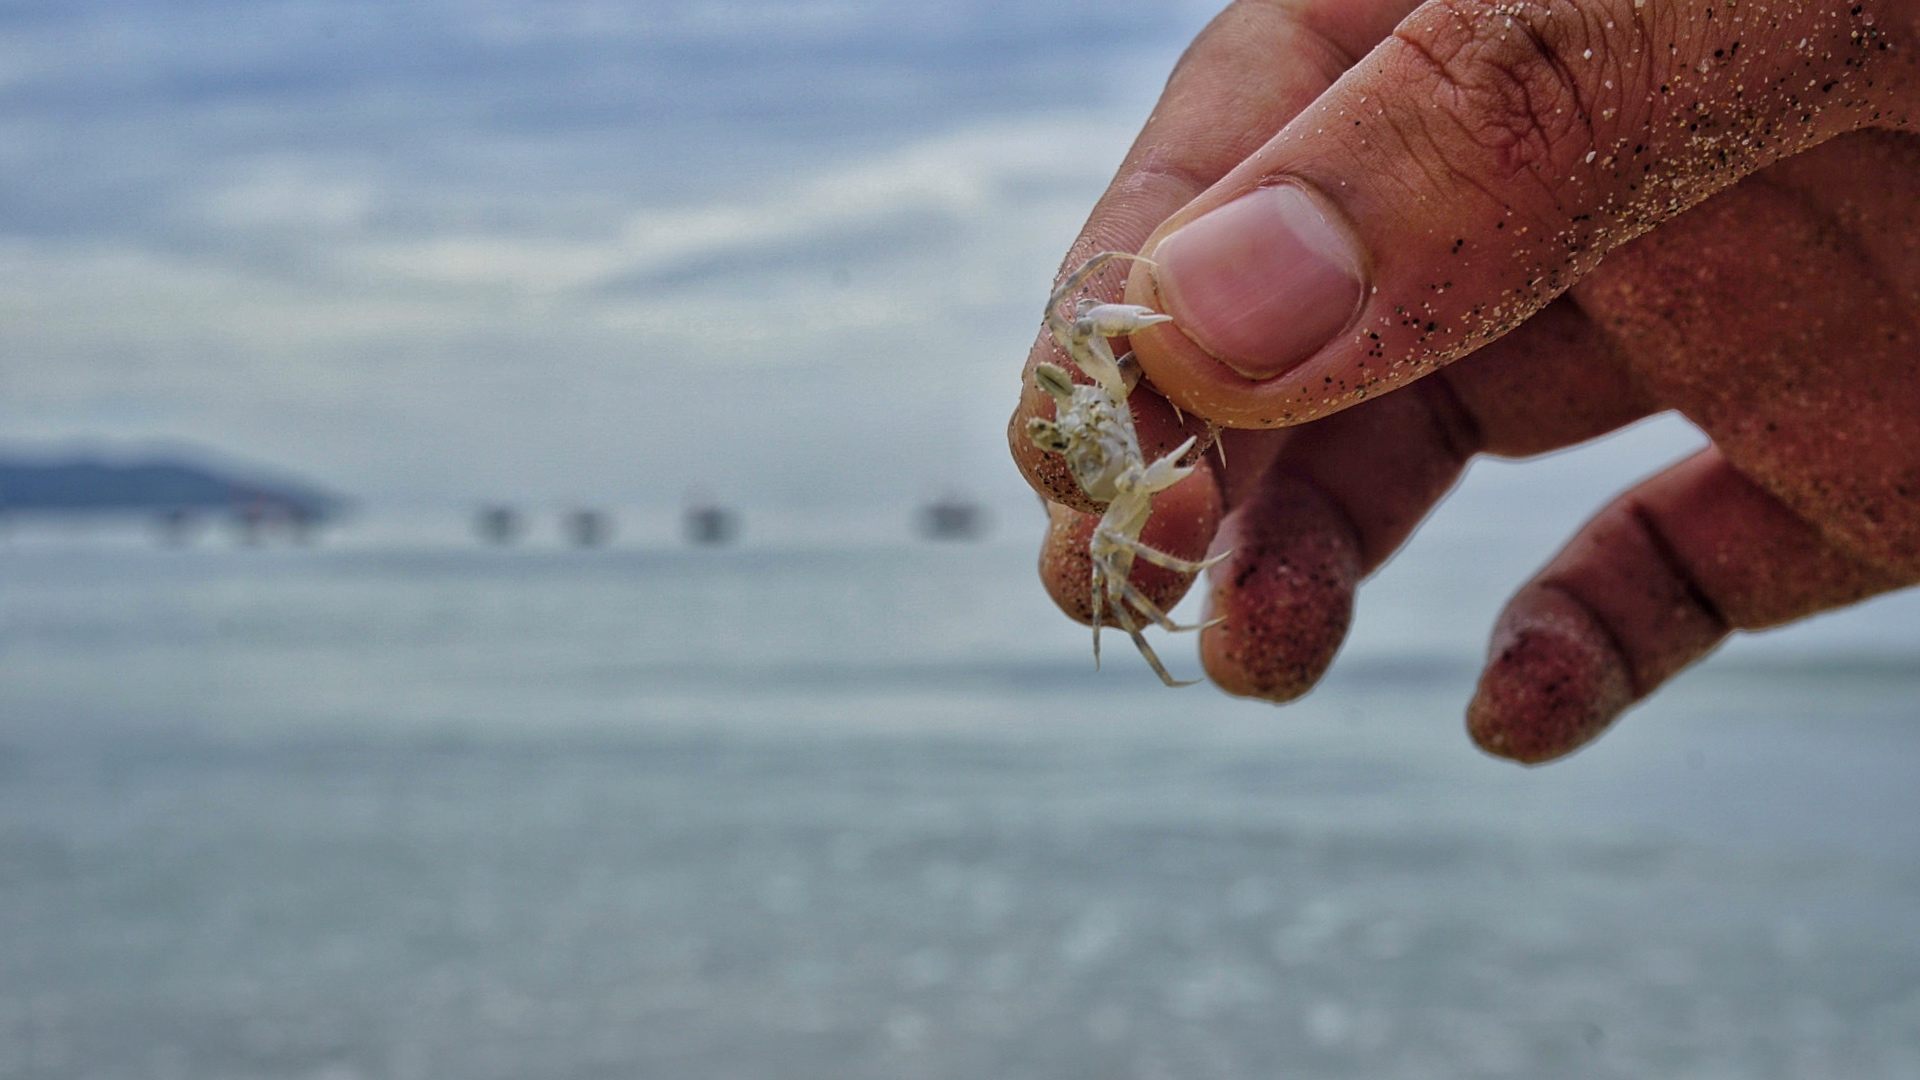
(1733, 235)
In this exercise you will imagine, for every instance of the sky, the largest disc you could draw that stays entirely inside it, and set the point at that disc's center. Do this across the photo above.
(443, 251)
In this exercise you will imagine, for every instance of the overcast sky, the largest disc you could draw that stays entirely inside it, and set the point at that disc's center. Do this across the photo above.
(598, 250)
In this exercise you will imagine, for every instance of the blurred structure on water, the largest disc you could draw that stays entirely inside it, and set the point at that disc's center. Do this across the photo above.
(953, 517)
(498, 525)
(258, 519)
(588, 528)
(177, 526)
(708, 523)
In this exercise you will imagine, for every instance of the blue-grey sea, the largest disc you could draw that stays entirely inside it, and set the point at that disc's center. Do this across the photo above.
(849, 804)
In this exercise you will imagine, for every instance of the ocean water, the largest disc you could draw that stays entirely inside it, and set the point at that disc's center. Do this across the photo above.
(405, 808)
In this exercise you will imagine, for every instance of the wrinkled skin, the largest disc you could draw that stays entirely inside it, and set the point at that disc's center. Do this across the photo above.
(1743, 247)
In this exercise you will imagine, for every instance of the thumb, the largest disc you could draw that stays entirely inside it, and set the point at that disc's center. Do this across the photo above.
(1473, 166)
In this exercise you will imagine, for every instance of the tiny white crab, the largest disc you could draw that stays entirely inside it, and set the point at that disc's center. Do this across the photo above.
(1093, 430)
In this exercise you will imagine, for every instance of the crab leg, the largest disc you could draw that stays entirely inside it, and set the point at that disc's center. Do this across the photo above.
(1123, 594)
(1164, 560)
(1084, 336)
(1098, 597)
(1151, 610)
(1146, 650)
(1079, 277)
(1118, 569)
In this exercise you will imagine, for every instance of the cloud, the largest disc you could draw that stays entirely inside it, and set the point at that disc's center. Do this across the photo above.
(443, 248)
(356, 335)
(963, 176)
(287, 196)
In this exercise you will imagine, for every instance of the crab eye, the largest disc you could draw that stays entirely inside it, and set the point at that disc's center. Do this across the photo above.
(1054, 380)
(1047, 435)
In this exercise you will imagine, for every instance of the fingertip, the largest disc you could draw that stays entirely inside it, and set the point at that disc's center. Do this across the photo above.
(1554, 682)
(1284, 594)
(1065, 566)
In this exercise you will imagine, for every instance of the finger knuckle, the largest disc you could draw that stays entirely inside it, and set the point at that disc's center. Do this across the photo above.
(1512, 84)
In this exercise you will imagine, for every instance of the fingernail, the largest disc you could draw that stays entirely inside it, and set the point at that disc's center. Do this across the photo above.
(1262, 283)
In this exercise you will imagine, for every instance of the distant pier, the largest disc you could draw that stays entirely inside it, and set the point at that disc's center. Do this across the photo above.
(588, 528)
(952, 518)
(498, 525)
(709, 524)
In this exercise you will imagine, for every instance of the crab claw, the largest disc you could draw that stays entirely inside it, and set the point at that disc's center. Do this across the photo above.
(1167, 470)
(1115, 320)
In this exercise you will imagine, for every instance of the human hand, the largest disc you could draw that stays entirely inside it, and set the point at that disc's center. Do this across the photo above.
(1406, 269)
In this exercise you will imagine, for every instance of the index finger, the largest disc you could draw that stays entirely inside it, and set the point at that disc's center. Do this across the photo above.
(1255, 67)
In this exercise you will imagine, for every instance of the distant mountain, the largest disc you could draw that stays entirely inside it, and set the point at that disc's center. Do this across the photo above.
(154, 486)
